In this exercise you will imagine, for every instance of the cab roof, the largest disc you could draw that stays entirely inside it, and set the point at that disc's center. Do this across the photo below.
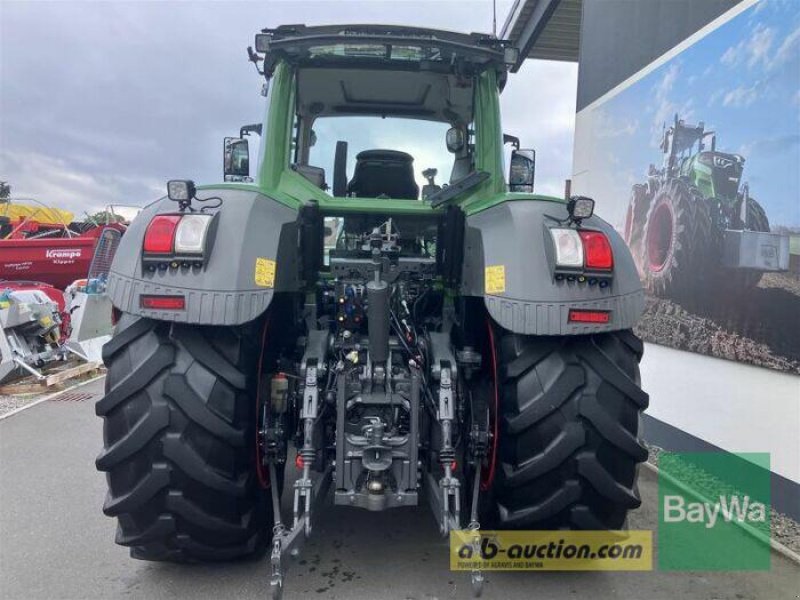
(382, 47)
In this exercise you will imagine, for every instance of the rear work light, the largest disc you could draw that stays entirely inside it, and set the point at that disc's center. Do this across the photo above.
(597, 250)
(163, 302)
(160, 235)
(581, 249)
(589, 316)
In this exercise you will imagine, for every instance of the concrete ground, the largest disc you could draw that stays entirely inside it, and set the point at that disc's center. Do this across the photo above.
(55, 542)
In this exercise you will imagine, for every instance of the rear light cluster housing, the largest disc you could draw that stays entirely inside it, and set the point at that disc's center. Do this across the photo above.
(582, 255)
(177, 240)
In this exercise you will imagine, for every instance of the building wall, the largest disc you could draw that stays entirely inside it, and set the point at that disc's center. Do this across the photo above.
(620, 37)
(723, 364)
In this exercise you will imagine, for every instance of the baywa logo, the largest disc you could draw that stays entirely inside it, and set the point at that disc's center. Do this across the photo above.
(714, 511)
(729, 508)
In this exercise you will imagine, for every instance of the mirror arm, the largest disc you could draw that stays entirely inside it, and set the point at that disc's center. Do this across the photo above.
(255, 59)
(511, 139)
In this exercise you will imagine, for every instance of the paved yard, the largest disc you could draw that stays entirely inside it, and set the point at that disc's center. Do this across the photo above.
(55, 542)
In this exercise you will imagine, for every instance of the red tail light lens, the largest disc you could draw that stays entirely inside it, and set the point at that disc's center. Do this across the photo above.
(160, 234)
(596, 250)
(163, 302)
(597, 317)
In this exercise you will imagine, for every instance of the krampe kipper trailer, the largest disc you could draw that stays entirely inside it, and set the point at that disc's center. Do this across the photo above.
(468, 345)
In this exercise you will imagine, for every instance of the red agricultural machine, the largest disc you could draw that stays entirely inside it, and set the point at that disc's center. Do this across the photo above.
(52, 282)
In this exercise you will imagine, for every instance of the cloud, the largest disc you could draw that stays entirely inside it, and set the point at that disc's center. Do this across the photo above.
(731, 56)
(665, 106)
(609, 126)
(759, 45)
(754, 50)
(125, 96)
(715, 96)
(543, 117)
(664, 87)
(56, 182)
(788, 50)
(773, 146)
(740, 97)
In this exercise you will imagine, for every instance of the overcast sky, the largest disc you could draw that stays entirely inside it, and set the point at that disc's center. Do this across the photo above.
(102, 102)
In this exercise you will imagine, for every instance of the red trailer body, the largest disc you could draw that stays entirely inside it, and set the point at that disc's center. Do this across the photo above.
(55, 260)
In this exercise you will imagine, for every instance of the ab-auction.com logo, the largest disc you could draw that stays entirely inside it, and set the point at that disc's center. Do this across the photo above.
(714, 511)
(551, 550)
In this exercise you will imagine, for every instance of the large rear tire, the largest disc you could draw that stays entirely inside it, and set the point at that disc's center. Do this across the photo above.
(635, 218)
(179, 441)
(569, 445)
(678, 246)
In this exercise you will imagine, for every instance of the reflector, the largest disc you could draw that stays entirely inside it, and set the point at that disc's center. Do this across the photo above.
(163, 302)
(589, 316)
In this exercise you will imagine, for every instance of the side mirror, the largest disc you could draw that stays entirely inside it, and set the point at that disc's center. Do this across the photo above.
(522, 170)
(236, 159)
(455, 139)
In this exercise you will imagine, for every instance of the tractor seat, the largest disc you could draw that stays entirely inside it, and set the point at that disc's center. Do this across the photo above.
(383, 173)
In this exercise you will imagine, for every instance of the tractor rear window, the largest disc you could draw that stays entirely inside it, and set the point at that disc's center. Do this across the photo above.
(386, 157)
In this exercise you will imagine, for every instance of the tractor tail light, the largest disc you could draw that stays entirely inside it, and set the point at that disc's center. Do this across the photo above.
(598, 317)
(597, 250)
(163, 302)
(160, 235)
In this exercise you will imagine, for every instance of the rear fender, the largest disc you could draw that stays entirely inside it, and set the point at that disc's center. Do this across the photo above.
(508, 260)
(253, 255)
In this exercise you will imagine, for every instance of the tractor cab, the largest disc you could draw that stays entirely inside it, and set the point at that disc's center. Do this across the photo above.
(678, 143)
(374, 107)
(715, 174)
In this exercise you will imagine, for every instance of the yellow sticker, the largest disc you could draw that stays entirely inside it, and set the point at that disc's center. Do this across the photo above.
(265, 272)
(495, 279)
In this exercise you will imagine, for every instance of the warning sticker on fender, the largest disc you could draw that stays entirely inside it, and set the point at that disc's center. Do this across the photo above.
(265, 272)
(495, 278)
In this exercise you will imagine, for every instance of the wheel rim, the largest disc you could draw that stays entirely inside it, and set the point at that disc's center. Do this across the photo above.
(629, 223)
(659, 236)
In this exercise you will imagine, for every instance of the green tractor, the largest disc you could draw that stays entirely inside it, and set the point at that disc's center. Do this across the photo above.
(693, 226)
(464, 345)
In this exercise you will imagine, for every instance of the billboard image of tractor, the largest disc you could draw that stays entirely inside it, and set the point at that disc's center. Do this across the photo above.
(693, 226)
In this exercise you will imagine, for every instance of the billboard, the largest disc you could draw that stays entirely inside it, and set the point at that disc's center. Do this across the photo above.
(696, 161)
